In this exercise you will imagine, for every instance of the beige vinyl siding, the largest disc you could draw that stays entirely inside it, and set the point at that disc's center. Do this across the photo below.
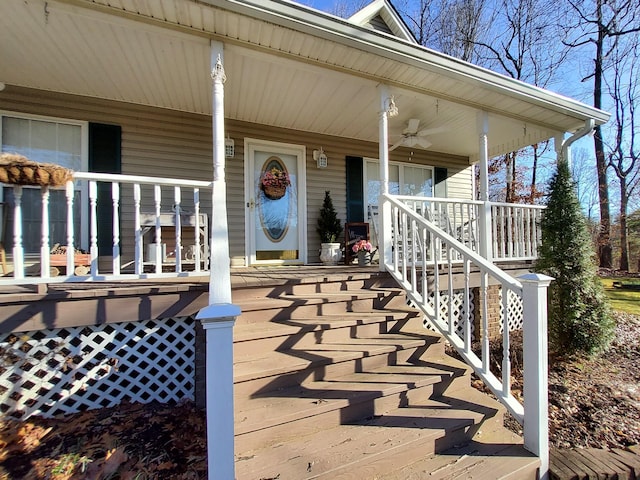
(172, 144)
(155, 142)
(460, 183)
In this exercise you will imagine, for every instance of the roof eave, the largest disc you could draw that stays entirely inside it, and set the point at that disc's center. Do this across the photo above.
(298, 17)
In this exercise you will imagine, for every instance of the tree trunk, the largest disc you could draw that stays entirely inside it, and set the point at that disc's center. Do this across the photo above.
(605, 255)
(624, 240)
(534, 170)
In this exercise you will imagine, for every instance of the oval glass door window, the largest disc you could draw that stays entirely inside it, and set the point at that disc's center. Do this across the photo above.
(274, 205)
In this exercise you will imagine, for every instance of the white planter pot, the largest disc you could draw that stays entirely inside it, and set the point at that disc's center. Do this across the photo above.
(330, 253)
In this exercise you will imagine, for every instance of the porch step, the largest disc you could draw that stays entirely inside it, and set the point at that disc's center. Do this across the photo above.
(368, 447)
(287, 306)
(339, 379)
(341, 399)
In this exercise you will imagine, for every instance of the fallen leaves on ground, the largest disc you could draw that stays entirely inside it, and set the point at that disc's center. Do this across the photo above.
(130, 441)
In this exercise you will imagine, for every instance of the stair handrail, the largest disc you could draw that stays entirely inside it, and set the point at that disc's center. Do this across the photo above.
(411, 244)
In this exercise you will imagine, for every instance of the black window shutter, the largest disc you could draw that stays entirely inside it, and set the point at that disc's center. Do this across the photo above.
(440, 177)
(355, 190)
(105, 157)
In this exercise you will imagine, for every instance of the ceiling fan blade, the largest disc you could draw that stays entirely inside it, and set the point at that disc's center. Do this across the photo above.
(431, 131)
(397, 144)
(422, 142)
(412, 126)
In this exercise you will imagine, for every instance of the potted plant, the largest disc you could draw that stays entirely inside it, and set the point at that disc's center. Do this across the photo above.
(363, 249)
(329, 229)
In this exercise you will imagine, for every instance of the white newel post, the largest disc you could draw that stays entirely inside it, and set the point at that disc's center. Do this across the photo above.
(219, 317)
(486, 241)
(384, 213)
(536, 401)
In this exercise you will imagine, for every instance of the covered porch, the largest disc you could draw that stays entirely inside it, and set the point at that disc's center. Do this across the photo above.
(312, 89)
(208, 96)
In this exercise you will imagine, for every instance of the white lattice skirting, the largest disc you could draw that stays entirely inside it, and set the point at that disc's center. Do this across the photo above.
(515, 311)
(66, 370)
(457, 311)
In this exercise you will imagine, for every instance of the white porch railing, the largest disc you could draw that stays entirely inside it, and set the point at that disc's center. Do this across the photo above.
(425, 258)
(139, 207)
(515, 228)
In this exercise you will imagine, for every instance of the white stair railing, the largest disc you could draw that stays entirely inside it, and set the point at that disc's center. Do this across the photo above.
(515, 228)
(137, 210)
(426, 260)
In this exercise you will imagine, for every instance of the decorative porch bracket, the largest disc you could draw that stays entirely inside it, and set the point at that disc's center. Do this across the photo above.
(535, 358)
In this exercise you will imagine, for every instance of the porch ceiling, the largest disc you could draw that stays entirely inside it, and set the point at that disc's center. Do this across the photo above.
(316, 73)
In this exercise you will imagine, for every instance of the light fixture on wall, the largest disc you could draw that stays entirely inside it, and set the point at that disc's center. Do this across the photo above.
(229, 148)
(321, 158)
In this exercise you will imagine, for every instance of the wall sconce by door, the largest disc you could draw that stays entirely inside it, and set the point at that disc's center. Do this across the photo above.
(320, 157)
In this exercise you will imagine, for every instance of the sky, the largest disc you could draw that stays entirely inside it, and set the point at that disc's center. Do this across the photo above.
(324, 5)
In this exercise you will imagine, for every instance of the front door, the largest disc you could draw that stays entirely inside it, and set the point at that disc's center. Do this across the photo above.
(275, 196)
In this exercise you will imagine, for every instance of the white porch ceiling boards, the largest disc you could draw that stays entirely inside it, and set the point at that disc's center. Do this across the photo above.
(287, 66)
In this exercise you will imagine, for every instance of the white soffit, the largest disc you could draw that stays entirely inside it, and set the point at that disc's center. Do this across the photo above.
(295, 68)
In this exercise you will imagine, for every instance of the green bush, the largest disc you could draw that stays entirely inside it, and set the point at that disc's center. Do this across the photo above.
(580, 320)
(329, 225)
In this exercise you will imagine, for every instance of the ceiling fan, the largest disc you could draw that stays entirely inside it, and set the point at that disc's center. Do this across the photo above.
(412, 137)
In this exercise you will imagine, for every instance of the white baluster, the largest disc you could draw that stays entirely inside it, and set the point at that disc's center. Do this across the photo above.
(69, 193)
(93, 246)
(45, 264)
(414, 255)
(177, 198)
(139, 253)
(467, 308)
(115, 198)
(157, 197)
(450, 292)
(506, 360)
(484, 282)
(196, 209)
(18, 250)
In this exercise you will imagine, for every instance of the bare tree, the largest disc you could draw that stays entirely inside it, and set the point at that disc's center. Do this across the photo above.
(346, 8)
(453, 27)
(601, 24)
(586, 182)
(521, 48)
(623, 150)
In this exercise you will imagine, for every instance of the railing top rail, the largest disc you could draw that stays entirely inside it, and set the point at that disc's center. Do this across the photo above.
(467, 202)
(118, 178)
(518, 205)
(466, 252)
(438, 199)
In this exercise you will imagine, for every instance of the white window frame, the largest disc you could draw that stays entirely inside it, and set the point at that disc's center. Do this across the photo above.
(401, 165)
(84, 161)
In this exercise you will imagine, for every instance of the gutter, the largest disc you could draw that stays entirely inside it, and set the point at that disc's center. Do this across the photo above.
(589, 125)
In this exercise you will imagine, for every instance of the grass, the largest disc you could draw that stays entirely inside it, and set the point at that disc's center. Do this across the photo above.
(623, 300)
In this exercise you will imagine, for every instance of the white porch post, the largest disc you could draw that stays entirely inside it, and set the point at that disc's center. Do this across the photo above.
(535, 391)
(486, 243)
(219, 317)
(383, 153)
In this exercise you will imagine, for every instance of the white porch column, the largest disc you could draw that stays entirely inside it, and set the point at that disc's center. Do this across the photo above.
(219, 317)
(383, 152)
(535, 391)
(486, 242)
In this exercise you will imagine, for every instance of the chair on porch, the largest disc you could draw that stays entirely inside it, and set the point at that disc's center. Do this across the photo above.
(373, 221)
